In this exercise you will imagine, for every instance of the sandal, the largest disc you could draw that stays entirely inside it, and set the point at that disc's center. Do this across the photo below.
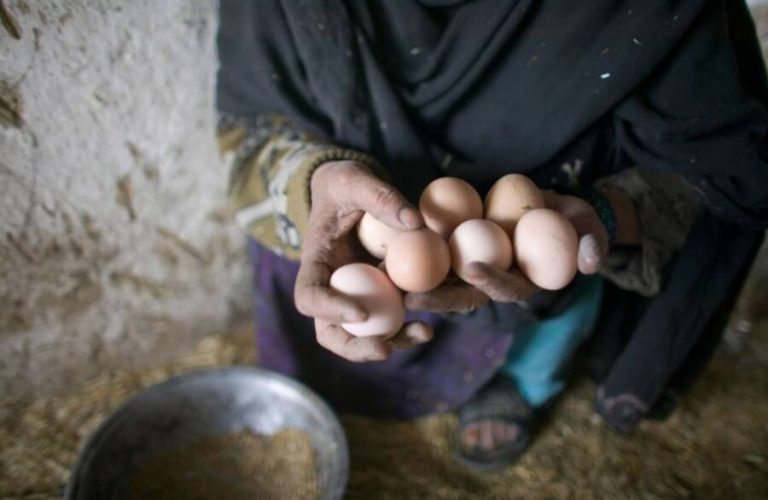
(497, 401)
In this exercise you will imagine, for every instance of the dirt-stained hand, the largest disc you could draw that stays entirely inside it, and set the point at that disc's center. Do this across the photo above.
(593, 237)
(485, 283)
(342, 192)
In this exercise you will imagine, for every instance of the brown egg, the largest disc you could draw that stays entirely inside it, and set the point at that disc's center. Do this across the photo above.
(374, 235)
(546, 247)
(418, 261)
(373, 290)
(509, 199)
(447, 202)
(480, 240)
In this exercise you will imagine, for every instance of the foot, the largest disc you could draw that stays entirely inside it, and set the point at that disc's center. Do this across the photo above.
(490, 434)
(493, 427)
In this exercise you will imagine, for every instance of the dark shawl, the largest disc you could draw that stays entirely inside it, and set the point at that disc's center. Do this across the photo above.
(478, 89)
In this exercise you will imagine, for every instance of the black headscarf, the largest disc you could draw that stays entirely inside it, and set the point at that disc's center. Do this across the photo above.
(478, 89)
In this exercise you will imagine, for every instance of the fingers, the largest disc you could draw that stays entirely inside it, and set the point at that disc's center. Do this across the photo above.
(484, 283)
(324, 250)
(452, 297)
(357, 349)
(589, 254)
(360, 349)
(365, 191)
(593, 240)
(412, 334)
(500, 286)
(593, 237)
(340, 192)
(313, 297)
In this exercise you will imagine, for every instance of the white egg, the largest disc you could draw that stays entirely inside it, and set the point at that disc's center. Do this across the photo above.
(374, 235)
(418, 261)
(546, 246)
(509, 199)
(447, 202)
(480, 240)
(372, 289)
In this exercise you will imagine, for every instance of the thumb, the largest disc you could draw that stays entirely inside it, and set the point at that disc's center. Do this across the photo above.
(383, 202)
(593, 240)
(591, 253)
(593, 237)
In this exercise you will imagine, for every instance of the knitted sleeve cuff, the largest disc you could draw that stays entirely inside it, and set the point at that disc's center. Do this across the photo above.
(271, 164)
(666, 207)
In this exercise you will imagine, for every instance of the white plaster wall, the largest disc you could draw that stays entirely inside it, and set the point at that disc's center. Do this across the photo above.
(114, 245)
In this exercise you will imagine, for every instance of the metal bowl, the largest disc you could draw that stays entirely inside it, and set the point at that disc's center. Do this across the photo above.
(209, 403)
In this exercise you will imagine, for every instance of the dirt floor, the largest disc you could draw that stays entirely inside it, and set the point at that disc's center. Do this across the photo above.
(715, 446)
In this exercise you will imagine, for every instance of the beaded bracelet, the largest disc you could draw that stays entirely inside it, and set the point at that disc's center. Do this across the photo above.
(603, 209)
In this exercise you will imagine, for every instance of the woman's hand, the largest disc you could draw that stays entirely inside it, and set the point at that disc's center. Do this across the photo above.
(593, 237)
(341, 192)
(485, 283)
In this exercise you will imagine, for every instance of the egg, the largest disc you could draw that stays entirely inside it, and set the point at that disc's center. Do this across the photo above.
(509, 199)
(480, 240)
(447, 202)
(372, 289)
(374, 235)
(546, 247)
(418, 261)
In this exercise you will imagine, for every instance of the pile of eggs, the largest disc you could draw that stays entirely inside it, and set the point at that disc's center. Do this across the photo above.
(511, 227)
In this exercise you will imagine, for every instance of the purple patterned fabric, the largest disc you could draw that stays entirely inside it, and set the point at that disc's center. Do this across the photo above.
(432, 378)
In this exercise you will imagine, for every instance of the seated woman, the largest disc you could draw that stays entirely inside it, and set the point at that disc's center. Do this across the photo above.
(645, 121)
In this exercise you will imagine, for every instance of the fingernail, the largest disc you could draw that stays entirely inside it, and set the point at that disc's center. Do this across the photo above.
(475, 272)
(409, 217)
(589, 252)
(476, 276)
(420, 334)
(590, 245)
(379, 354)
(355, 316)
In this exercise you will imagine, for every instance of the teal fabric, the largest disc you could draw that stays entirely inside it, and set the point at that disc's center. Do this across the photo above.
(542, 350)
